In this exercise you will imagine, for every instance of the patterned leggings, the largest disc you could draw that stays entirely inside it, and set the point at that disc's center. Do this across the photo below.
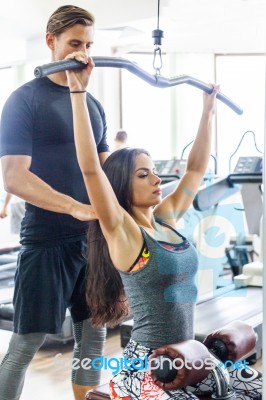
(133, 384)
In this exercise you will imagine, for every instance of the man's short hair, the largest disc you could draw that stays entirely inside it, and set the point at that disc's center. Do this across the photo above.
(67, 16)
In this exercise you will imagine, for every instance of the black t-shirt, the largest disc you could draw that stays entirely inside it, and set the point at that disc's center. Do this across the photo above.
(37, 121)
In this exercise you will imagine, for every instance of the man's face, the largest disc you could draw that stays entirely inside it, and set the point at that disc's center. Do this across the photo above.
(76, 38)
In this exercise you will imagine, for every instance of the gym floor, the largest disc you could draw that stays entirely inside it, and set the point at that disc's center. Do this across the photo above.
(48, 379)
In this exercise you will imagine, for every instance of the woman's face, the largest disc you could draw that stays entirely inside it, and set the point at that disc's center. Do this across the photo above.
(145, 183)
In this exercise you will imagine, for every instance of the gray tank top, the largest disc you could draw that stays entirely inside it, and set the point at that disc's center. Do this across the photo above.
(162, 294)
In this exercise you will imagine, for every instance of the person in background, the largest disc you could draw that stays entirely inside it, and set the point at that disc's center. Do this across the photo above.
(120, 140)
(136, 245)
(17, 212)
(4, 211)
(39, 165)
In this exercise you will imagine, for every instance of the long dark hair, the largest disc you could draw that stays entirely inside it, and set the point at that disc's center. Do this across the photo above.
(104, 288)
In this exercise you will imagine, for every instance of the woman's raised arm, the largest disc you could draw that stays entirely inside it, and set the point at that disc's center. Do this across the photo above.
(175, 204)
(102, 197)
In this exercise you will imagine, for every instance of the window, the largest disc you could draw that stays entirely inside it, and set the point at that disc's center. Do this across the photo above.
(242, 79)
(146, 110)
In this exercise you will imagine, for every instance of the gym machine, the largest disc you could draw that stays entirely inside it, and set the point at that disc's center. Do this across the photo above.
(177, 365)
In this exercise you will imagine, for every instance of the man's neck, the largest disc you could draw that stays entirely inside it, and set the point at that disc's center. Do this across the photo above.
(59, 78)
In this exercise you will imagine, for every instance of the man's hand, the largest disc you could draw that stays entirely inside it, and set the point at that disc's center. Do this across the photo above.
(83, 212)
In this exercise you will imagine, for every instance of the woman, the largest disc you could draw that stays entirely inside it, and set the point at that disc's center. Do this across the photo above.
(135, 245)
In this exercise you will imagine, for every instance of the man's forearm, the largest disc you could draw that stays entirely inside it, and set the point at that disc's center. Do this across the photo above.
(35, 191)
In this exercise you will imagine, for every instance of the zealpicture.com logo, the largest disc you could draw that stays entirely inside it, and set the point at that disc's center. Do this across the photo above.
(141, 364)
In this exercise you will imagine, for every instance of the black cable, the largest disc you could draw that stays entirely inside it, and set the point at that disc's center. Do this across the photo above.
(182, 154)
(158, 14)
(157, 34)
(214, 158)
(255, 144)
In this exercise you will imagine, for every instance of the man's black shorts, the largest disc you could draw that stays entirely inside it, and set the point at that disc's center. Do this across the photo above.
(49, 279)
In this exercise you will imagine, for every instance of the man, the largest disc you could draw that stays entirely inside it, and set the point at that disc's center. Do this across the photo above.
(17, 212)
(120, 140)
(39, 165)
(4, 210)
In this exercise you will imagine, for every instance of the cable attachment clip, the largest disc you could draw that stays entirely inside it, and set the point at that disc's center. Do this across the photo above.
(157, 34)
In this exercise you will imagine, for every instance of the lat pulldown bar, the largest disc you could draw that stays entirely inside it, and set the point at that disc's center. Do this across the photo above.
(154, 80)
